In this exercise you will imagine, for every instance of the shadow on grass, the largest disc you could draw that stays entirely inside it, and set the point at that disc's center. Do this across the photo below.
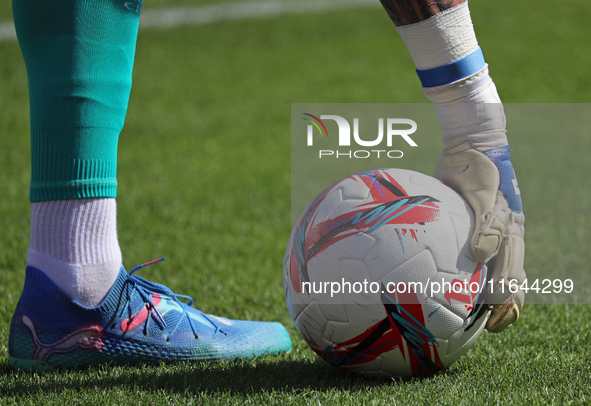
(284, 374)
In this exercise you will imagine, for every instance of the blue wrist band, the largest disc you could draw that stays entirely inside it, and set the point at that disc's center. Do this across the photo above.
(460, 69)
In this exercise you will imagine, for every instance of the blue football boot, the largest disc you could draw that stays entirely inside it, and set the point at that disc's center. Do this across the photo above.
(138, 322)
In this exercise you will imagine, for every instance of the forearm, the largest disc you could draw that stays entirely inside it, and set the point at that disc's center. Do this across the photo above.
(475, 162)
(404, 12)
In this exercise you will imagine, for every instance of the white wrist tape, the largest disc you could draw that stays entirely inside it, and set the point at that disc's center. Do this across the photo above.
(442, 39)
(455, 78)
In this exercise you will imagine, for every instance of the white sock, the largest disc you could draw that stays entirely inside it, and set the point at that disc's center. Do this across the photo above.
(469, 108)
(74, 242)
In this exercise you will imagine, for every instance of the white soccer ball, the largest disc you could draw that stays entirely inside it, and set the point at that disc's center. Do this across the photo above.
(378, 275)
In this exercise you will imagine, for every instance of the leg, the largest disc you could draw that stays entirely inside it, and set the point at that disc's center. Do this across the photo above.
(79, 306)
(79, 69)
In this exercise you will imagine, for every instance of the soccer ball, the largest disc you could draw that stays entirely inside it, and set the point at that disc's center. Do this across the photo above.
(379, 278)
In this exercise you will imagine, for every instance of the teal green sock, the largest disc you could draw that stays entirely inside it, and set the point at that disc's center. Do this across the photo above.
(79, 56)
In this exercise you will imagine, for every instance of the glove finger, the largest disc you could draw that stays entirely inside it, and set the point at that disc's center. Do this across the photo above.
(502, 317)
(476, 178)
(507, 273)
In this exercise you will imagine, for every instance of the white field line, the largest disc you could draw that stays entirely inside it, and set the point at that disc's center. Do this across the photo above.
(209, 14)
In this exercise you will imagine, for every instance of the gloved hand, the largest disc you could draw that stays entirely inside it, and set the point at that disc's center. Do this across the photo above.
(487, 181)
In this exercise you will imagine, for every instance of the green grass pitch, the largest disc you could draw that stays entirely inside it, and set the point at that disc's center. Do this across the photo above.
(204, 173)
